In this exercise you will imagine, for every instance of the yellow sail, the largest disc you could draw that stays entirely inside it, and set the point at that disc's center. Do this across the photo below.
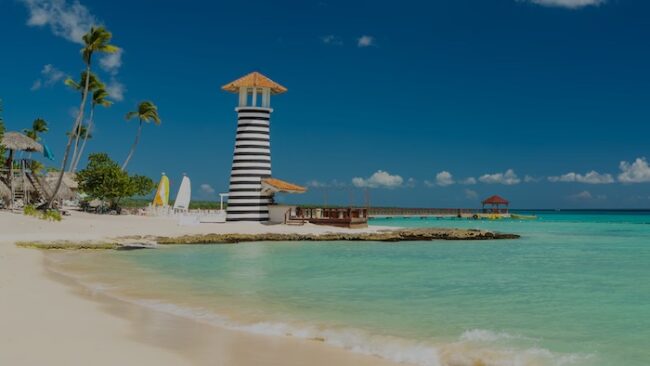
(162, 194)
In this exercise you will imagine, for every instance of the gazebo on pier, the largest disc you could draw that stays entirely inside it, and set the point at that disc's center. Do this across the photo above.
(495, 205)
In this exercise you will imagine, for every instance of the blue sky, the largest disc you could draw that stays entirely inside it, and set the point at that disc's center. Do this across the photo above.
(426, 103)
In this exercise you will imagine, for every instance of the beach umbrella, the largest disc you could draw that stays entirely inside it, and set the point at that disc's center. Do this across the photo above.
(16, 141)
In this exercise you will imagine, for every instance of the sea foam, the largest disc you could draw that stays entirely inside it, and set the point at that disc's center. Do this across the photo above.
(463, 352)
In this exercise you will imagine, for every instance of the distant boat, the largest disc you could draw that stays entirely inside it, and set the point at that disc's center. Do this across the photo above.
(162, 194)
(523, 217)
(182, 201)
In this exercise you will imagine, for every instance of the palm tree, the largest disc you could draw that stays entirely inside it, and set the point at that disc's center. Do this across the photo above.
(96, 40)
(2, 132)
(93, 84)
(38, 126)
(147, 112)
(100, 96)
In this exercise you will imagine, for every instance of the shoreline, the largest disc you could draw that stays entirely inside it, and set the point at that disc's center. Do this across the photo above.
(72, 325)
(201, 343)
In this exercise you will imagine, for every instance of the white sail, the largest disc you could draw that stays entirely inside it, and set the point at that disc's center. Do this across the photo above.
(182, 201)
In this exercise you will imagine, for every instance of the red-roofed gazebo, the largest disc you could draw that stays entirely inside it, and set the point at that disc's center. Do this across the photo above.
(495, 204)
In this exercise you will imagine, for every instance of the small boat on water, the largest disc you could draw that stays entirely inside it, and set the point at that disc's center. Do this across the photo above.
(523, 217)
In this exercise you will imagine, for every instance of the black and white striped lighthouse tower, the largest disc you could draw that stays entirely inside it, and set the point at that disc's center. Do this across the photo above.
(252, 157)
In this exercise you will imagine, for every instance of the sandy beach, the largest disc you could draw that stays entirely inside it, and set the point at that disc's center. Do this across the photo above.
(47, 319)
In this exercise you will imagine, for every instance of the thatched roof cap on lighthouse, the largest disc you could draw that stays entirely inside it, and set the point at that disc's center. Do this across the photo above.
(254, 79)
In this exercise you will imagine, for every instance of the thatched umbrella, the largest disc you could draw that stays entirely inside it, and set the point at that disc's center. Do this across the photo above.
(16, 141)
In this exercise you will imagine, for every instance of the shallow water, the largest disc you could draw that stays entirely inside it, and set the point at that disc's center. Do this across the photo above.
(573, 290)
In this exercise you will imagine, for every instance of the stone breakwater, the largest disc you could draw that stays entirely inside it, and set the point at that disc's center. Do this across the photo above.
(380, 236)
(398, 235)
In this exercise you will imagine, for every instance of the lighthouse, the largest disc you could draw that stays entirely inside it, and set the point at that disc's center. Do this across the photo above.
(251, 164)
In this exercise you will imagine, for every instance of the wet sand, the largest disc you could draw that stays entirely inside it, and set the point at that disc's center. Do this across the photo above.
(47, 319)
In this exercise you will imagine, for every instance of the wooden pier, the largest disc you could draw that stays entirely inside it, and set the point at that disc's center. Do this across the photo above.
(466, 213)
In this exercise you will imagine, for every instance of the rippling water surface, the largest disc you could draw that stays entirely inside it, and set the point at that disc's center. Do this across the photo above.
(575, 290)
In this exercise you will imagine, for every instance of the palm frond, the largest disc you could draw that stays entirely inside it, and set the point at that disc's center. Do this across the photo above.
(97, 40)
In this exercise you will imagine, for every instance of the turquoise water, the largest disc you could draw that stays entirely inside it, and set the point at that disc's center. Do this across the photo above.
(574, 290)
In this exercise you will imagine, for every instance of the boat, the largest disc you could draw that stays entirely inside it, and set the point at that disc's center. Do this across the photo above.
(162, 194)
(182, 202)
(523, 217)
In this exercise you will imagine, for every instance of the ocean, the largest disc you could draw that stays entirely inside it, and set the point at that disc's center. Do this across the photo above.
(574, 290)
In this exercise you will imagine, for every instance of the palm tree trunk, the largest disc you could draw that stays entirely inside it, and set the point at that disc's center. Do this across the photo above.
(75, 126)
(76, 145)
(135, 143)
(75, 162)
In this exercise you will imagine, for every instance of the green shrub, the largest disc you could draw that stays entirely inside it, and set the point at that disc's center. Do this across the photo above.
(103, 179)
(49, 215)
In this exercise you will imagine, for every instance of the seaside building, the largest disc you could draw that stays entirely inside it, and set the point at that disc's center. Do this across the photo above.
(495, 205)
(251, 188)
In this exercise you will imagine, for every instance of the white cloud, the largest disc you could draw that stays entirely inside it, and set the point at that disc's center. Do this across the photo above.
(36, 85)
(207, 189)
(112, 62)
(366, 41)
(332, 40)
(468, 181)
(637, 172)
(593, 177)
(67, 20)
(116, 90)
(470, 194)
(586, 196)
(73, 112)
(531, 179)
(380, 179)
(411, 182)
(508, 178)
(50, 75)
(332, 184)
(571, 4)
(444, 179)
(316, 184)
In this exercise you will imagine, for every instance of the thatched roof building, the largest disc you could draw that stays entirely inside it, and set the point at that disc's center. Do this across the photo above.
(16, 141)
(273, 185)
(69, 186)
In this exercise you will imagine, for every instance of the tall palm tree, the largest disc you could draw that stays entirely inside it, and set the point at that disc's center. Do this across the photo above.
(100, 96)
(93, 84)
(96, 40)
(147, 112)
(81, 130)
(38, 126)
(2, 132)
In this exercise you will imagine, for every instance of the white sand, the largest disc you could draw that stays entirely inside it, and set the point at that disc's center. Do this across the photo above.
(44, 321)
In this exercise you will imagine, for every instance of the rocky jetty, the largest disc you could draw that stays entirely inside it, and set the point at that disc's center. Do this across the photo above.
(150, 242)
(428, 234)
